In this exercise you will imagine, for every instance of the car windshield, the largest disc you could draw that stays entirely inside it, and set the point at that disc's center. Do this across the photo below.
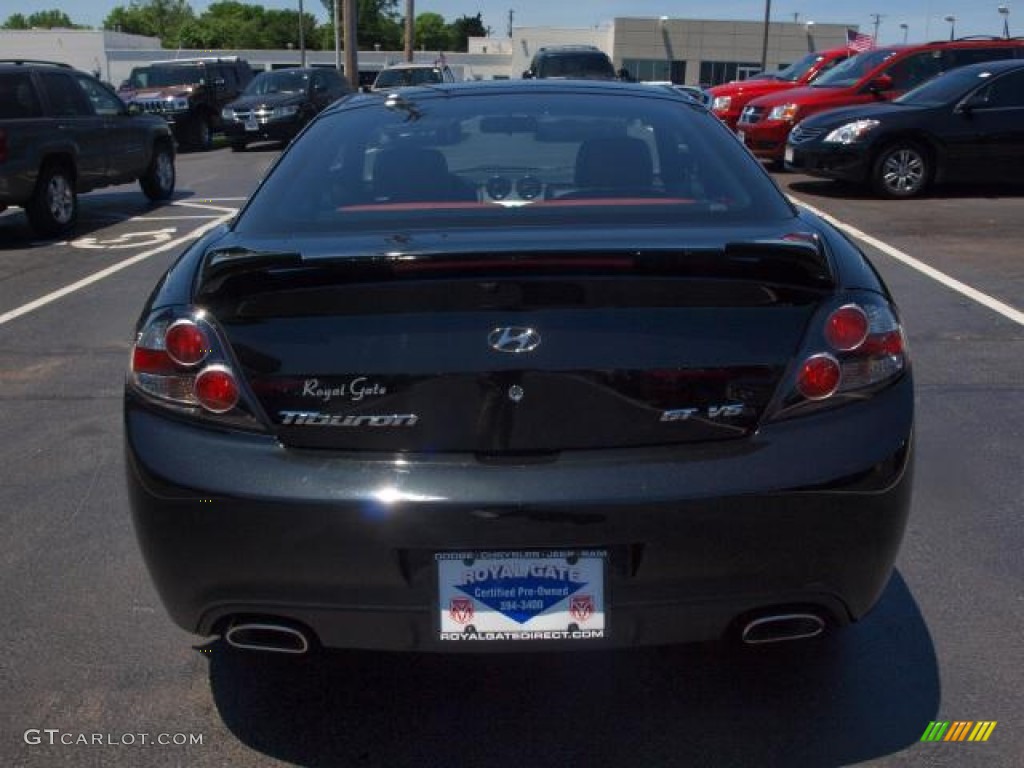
(392, 78)
(161, 77)
(943, 89)
(853, 69)
(278, 82)
(797, 69)
(480, 159)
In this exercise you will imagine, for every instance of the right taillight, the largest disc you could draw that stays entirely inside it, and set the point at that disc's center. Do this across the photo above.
(853, 349)
(180, 363)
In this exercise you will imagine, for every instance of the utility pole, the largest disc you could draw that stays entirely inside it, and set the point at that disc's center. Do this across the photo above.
(337, 35)
(764, 47)
(351, 44)
(302, 38)
(511, 14)
(878, 21)
(410, 28)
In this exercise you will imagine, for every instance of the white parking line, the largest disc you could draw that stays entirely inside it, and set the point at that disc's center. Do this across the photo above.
(49, 298)
(940, 277)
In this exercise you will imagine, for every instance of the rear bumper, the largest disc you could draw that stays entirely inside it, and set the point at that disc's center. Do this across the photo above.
(807, 513)
(276, 130)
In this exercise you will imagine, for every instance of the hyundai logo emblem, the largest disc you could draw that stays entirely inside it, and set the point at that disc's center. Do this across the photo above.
(514, 340)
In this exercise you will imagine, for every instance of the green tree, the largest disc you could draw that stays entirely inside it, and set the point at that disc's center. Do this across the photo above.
(166, 19)
(41, 20)
(432, 33)
(377, 23)
(16, 21)
(464, 28)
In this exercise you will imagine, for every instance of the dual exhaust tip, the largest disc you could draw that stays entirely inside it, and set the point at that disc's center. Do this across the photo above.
(275, 637)
(777, 628)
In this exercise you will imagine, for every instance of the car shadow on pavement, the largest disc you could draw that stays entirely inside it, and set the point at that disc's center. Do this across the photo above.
(866, 692)
(826, 188)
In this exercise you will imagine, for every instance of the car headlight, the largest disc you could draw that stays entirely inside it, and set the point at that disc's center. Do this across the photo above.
(227, 114)
(721, 103)
(288, 111)
(851, 132)
(786, 112)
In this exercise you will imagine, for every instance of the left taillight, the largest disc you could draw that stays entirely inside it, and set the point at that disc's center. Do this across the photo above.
(180, 362)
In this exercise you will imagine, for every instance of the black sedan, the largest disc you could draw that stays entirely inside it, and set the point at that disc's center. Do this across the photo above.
(964, 125)
(277, 104)
(520, 365)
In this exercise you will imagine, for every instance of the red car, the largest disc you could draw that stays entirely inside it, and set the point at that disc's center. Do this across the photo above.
(879, 74)
(728, 99)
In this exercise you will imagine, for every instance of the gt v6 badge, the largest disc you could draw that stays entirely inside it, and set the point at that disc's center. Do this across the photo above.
(513, 339)
(727, 411)
(316, 419)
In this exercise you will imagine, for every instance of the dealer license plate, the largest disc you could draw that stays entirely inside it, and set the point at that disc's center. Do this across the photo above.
(252, 125)
(537, 595)
(742, 136)
(789, 155)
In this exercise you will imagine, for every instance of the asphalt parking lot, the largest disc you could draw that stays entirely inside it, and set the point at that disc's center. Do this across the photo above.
(88, 651)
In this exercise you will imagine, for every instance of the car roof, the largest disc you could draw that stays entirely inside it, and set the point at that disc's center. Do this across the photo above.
(412, 65)
(532, 86)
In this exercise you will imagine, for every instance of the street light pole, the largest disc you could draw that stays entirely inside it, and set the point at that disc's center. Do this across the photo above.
(906, 28)
(952, 25)
(1004, 11)
(764, 46)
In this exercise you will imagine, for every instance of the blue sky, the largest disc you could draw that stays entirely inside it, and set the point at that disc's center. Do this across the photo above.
(923, 17)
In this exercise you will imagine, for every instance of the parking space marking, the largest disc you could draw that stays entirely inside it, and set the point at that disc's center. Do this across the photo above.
(127, 240)
(49, 298)
(1010, 313)
(205, 205)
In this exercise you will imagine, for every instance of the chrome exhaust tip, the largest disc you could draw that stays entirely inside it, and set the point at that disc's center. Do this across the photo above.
(274, 638)
(781, 627)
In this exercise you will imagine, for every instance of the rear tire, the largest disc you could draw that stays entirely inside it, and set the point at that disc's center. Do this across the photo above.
(901, 170)
(158, 181)
(202, 133)
(53, 209)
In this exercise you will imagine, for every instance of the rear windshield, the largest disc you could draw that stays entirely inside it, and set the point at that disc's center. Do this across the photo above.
(277, 82)
(512, 159)
(393, 78)
(161, 77)
(853, 69)
(578, 64)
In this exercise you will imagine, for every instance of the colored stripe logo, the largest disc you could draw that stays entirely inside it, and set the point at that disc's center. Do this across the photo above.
(959, 730)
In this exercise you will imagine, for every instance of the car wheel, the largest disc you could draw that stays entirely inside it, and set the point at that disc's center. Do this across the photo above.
(202, 133)
(158, 181)
(238, 146)
(901, 170)
(53, 209)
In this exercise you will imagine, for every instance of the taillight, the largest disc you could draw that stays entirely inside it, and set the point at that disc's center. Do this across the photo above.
(216, 389)
(180, 362)
(186, 344)
(846, 328)
(856, 348)
(818, 377)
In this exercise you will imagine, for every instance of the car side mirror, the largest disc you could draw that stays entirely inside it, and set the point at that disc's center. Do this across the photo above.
(134, 109)
(881, 84)
(528, 74)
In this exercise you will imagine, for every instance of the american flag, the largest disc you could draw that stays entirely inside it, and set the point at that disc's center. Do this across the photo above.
(858, 41)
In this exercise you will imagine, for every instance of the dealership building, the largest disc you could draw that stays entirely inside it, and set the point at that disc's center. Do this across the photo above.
(686, 51)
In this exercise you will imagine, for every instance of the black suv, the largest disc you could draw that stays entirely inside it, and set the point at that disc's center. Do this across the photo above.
(63, 132)
(189, 93)
(277, 104)
(571, 61)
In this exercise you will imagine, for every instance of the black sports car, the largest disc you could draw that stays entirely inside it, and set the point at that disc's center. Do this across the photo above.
(964, 125)
(491, 366)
